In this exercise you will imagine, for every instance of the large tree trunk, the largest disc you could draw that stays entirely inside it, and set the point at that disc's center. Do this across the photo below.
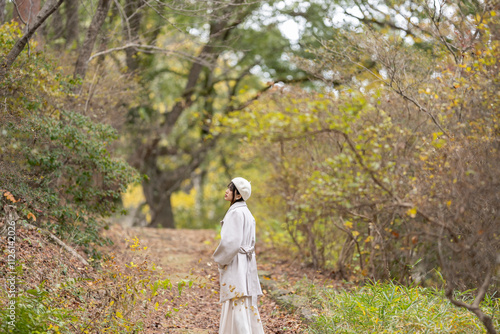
(158, 193)
(149, 153)
(71, 29)
(161, 184)
(88, 45)
(25, 12)
(2, 11)
(49, 7)
(163, 215)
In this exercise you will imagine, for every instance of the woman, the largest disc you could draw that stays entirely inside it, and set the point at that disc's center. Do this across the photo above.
(235, 256)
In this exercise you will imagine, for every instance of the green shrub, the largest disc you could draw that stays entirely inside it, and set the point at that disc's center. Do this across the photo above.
(34, 313)
(56, 166)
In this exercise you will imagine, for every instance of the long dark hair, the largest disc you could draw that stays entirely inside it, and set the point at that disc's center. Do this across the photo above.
(235, 192)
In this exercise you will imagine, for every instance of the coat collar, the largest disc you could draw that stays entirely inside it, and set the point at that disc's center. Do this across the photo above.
(234, 207)
(237, 205)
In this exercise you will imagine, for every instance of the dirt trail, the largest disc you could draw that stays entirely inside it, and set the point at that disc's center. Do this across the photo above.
(186, 254)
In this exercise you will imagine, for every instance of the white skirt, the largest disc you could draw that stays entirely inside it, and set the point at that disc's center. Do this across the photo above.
(240, 317)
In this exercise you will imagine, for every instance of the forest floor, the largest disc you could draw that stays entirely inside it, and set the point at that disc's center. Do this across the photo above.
(118, 296)
(186, 254)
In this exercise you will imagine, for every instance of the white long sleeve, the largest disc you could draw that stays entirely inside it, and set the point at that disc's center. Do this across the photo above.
(231, 237)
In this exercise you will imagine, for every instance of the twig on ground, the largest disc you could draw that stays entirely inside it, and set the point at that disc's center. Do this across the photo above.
(57, 240)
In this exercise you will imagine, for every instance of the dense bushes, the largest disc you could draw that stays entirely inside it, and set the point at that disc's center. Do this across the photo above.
(55, 165)
(398, 163)
(393, 173)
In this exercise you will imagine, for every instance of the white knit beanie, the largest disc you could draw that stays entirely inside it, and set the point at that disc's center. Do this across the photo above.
(243, 186)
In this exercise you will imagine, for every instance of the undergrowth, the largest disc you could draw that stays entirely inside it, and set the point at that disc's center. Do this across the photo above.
(117, 298)
(390, 308)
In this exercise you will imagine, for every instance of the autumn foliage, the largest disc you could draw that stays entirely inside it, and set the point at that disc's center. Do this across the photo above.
(391, 172)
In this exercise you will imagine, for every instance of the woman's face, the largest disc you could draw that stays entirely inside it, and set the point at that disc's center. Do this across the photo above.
(228, 195)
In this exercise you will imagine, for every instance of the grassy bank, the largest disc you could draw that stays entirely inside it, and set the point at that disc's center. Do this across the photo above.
(390, 308)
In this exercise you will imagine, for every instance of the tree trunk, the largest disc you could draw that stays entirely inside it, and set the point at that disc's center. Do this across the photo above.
(131, 31)
(162, 215)
(158, 198)
(49, 7)
(72, 20)
(169, 181)
(163, 183)
(88, 45)
(149, 153)
(2, 11)
(25, 12)
(157, 191)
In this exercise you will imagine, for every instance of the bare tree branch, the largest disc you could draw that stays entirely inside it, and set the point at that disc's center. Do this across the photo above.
(474, 307)
(390, 84)
(151, 49)
(382, 24)
(58, 241)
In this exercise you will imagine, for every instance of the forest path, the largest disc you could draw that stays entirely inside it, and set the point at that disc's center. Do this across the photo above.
(186, 255)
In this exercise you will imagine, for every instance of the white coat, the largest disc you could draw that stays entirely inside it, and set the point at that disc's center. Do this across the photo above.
(235, 255)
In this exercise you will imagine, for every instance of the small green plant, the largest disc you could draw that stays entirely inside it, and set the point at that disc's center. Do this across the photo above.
(35, 313)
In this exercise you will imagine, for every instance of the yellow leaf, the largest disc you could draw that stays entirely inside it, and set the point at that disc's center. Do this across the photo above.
(119, 314)
(112, 302)
(355, 234)
(448, 203)
(493, 13)
(412, 212)
(348, 224)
